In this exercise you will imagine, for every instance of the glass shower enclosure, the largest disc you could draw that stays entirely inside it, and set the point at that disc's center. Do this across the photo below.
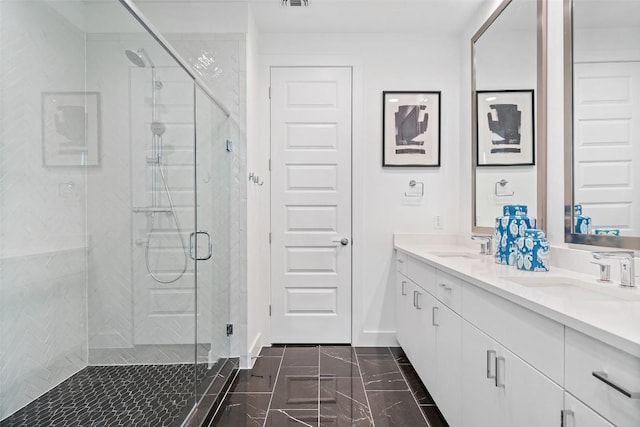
(115, 209)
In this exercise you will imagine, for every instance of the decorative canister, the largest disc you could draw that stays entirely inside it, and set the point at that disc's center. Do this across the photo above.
(536, 233)
(582, 224)
(514, 210)
(533, 254)
(508, 229)
(607, 231)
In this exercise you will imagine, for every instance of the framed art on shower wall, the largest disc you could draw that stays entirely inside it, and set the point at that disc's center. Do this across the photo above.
(505, 128)
(70, 129)
(411, 129)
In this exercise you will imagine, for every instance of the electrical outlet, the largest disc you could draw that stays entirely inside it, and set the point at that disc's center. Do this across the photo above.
(437, 222)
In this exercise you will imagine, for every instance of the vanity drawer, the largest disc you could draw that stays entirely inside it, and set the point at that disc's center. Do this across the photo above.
(422, 274)
(401, 262)
(449, 291)
(534, 338)
(584, 356)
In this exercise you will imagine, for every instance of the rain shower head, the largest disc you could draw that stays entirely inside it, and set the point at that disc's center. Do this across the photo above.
(139, 58)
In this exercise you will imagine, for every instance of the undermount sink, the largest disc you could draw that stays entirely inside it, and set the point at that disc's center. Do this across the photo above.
(577, 289)
(455, 255)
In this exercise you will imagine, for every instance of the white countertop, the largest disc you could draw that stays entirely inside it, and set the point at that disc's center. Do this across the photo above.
(604, 311)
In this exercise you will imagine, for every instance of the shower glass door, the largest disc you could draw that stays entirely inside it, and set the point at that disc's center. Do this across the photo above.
(212, 243)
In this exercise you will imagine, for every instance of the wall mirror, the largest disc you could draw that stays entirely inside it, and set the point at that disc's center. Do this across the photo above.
(602, 123)
(508, 84)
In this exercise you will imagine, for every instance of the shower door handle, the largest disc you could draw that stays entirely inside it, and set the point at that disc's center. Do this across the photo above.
(194, 237)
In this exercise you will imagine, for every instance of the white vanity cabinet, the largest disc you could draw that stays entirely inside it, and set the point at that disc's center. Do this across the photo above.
(577, 414)
(604, 378)
(500, 389)
(448, 355)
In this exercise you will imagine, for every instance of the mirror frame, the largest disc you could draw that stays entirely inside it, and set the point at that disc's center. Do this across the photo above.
(625, 242)
(541, 115)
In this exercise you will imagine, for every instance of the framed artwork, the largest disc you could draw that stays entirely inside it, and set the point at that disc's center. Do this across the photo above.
(411, 129)
(505, 128)
(70, 129)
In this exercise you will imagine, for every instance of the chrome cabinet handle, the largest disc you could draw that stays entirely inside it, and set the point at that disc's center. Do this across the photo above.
(418, 295)
(434, 316)
(498, 382)
(491, 356)
(415, 293)
(403, 285)
(445, 287)
(343, 241)
(563, 416)
(604, 377)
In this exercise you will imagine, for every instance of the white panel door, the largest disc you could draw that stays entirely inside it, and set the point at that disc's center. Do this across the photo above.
(311, 205)
(607, 152)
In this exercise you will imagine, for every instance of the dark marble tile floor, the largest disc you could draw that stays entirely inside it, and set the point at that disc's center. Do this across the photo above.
(329, 386)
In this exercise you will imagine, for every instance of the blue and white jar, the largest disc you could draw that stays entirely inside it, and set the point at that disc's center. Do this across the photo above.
(577, 209)
(533, 254)
(582, 224)
(536, 233)
(508, 229)
(607, 231)
(510, 210)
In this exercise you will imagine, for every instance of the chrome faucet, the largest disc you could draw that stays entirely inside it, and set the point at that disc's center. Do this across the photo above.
(627, 274)
(486, 247)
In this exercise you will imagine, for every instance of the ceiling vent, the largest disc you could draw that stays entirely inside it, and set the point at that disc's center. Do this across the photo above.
(295, 2)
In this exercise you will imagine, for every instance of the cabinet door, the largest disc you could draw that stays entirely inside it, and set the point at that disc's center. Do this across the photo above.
(527, 398)
(480, 402)
(423, 332)
(576, 414)
(403, 304)
(447, 392)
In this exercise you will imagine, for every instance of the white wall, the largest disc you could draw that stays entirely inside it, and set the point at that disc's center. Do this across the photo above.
(381, 62)
(43, 330)
(257, 208)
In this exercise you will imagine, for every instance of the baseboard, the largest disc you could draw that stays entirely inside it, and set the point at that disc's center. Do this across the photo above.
(375, 339)
(254, 351)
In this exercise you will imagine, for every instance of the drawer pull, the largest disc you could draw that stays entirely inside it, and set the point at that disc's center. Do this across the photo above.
(491, 356)
(446, 288)
(564, 414)
(500, 379)
(403, 285)
(434, 316)
(602, 376)
(415, 293)
(418, 306)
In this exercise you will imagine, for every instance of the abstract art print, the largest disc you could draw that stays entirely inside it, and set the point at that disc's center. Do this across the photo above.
(70, 129)
(411, 129)
(505, 128)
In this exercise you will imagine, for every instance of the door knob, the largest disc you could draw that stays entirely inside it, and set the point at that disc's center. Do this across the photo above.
(344, 241)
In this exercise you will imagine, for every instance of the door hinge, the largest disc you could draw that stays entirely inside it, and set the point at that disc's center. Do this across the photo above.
(269, 310)
(269, 92)
(269, 165)
(229, 329)
(269, 237)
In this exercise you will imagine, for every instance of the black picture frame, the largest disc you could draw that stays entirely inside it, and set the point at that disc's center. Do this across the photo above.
(505, 128)
(411, 128)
